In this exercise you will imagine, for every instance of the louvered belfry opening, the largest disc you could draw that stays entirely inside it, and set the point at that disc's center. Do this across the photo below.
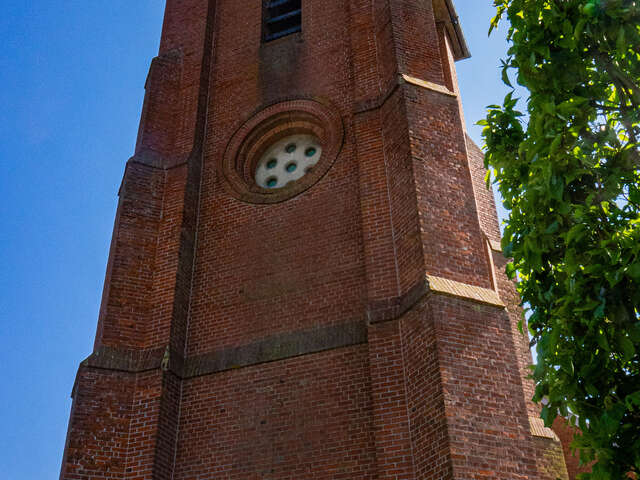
(281, 18)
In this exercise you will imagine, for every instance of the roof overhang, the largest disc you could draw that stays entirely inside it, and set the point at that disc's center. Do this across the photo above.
(447, 16)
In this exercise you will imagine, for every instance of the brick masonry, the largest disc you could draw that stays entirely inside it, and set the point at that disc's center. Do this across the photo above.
(358, 328)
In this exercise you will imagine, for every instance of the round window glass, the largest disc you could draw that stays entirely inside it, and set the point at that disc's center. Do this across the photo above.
(287, 160)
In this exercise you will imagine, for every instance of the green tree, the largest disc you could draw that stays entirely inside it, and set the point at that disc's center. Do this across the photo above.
(569, 172)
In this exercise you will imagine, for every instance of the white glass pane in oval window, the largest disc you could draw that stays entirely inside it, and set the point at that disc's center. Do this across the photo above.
(288, 160)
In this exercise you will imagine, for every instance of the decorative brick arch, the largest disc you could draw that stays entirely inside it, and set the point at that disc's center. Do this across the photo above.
(266, 127)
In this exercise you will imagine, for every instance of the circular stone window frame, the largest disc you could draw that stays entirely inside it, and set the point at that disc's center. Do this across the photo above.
(249, 143)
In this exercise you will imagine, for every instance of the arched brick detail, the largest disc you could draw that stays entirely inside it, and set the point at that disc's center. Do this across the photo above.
(268, 126)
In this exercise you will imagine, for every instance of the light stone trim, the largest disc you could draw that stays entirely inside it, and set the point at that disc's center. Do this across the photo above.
(495, 245)
(463, 290)
(539, 430)
(428, 85)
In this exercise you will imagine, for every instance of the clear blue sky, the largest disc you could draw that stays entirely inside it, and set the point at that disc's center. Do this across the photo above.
(71, 86)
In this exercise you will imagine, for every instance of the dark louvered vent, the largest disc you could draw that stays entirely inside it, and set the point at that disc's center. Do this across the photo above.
(281, 17)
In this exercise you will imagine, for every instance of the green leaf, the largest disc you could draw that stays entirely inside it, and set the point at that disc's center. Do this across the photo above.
(575, 233)
(507, 250)
(553, 228)
(621, 43)
(548, 416)
(577, 32)
(600, 337)
(568, 172)
(590, 9)
(634, 333)
(633, 400)
(494, 23)
(628, 350)
(510, 270)
(591, 390)
(557, 187)
(505, 77)
(633, 271)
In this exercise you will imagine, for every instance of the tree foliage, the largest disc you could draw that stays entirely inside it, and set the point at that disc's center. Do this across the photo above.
(569, 172)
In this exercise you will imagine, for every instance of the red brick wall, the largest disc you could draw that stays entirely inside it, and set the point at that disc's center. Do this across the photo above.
(391, 423)
(273, 268)
(566, 433)
(417, 47)
(430, 434)
(298, 339)
(144, 426)
(453, 243)
(306, 417)
(125, 306)
(98, 436)
(482, 388)
(485, 202)
(183, 31)
(550, 459)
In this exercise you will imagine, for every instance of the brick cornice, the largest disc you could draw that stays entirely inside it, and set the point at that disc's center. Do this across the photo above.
(151, 158)
(285, 345)
(277, 347)
(538, 429)
(393, 308)
(133, 361)
(427, 85)
(269, 349)
(377, 102)
(462, 290)
(495, 245)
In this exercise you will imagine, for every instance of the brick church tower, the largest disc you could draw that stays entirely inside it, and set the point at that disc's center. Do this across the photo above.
(305, 279)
